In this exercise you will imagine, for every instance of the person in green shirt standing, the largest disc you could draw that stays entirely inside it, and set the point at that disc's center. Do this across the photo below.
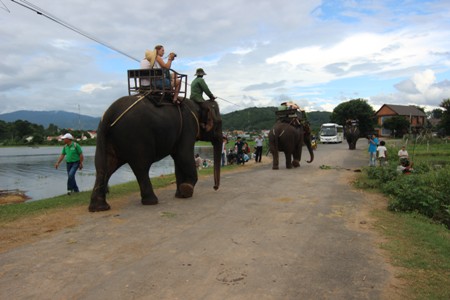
(198, 87)
(74, 160)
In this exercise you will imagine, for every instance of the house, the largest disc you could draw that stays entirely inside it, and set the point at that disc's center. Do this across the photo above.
(415, 116)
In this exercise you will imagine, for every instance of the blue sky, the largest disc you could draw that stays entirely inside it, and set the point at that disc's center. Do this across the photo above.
(256, 53)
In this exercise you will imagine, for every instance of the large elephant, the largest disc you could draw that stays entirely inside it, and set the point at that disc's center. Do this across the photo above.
(139, 131)
(351, 133)
(289, 139)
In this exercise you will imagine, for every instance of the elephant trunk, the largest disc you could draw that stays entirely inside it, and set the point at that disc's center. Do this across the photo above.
(217, 148)
(310, 149)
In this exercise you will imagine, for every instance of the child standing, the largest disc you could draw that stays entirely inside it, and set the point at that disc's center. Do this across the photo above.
(382, 153)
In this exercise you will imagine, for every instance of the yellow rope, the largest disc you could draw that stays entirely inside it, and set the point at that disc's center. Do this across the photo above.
(131, 106)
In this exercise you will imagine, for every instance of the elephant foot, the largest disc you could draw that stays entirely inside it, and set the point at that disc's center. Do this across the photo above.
(185, 190)
(95, 207)
(149, 201)
(289, 167)
(275, 168)
(296, 163)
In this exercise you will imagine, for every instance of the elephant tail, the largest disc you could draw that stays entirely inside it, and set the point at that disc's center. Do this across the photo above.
(101, 147)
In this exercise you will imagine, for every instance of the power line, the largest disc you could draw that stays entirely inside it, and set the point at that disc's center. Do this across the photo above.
(57, 20)
(4, 7)
(53, 18)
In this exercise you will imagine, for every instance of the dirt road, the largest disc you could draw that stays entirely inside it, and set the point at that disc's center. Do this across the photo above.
(286, 234)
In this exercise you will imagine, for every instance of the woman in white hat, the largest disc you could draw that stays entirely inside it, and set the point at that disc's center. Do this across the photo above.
(154, 60)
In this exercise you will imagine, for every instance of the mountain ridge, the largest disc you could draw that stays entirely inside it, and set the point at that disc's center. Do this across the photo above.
(62, 119)
(248, 119)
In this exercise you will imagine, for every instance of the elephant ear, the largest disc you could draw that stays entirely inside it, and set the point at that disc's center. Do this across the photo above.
(213, 115)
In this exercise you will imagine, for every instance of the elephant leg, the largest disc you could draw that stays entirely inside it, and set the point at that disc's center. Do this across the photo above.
(103, 174)
(186, 174)
(275, 158)
(288, 157)
(141, 170)
(98, 196)
(297, 157)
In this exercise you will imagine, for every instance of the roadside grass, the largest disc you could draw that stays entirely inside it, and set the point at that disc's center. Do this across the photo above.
(421, 248)
(15, 211)
(414, 242)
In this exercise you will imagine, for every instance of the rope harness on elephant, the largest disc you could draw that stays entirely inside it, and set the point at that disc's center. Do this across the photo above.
(143, 96)
(130, 107)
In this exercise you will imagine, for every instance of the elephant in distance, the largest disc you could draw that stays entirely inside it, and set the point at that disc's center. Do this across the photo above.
(351, 133)
(289, 138)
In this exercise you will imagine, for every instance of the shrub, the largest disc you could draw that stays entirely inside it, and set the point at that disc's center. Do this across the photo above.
(383, 174)
(427, 193)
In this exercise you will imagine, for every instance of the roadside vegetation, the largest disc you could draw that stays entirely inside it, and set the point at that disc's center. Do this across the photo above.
(416, 222)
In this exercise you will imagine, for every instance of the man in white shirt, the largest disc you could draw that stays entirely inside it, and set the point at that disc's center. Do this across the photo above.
(402, 153)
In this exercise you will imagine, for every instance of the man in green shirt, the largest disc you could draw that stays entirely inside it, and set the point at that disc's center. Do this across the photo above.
(198, 87)
(74, 159)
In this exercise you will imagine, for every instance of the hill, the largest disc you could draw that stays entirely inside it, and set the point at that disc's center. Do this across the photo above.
(62, 119)
(249, 119)
(260, 118)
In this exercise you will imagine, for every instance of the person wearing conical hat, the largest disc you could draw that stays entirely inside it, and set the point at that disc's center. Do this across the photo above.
(199, 86)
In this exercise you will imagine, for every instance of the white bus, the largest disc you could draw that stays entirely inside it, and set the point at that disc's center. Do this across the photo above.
(331, 133)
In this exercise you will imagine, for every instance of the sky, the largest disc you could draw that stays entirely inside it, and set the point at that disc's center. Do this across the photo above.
(255, 53)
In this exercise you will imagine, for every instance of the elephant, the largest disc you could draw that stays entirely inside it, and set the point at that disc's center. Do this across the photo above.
(289, 138)
(139, 130)
(351, 133)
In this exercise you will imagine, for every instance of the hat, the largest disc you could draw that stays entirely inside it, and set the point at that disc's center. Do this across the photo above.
(68, 136)
(199, 72)
(150, 56)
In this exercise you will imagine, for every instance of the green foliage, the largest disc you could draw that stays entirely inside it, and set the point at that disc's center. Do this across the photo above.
(355, 109)
(263, 118)
(384, 174)
(445, 119)
(425, 190)
(397, 124)
(426, 193)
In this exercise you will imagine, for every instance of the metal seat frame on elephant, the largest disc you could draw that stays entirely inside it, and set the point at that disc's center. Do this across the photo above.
(136, 78)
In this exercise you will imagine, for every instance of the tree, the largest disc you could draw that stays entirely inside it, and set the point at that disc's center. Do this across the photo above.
(355, 109)
(445, 120)
(398, 125)
(436, 113)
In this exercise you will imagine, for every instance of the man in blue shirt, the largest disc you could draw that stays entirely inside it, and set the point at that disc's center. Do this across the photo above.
(373, 143)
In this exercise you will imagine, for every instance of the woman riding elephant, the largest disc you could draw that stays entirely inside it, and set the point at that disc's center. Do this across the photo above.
(135, 131)
(289, 138)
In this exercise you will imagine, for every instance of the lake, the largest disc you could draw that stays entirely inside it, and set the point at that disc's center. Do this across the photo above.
(32, 170)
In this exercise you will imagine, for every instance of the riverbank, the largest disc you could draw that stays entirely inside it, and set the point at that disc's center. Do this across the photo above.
(12, 196)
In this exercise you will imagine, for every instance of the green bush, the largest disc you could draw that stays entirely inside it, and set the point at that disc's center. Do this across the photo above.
(427, 193)
(383, 174)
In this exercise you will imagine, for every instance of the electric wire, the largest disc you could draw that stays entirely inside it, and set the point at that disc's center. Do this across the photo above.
(55, 19)
(61, 22)
(4, 7)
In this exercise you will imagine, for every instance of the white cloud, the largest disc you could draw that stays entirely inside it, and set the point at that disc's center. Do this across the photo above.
(91, 87)
(317, 52)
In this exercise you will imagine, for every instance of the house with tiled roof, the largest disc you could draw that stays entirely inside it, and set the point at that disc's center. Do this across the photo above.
(415, 116)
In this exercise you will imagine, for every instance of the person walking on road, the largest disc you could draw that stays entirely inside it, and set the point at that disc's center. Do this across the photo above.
(74, 161)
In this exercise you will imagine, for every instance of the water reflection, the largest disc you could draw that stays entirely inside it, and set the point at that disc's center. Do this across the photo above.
(32, 170)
